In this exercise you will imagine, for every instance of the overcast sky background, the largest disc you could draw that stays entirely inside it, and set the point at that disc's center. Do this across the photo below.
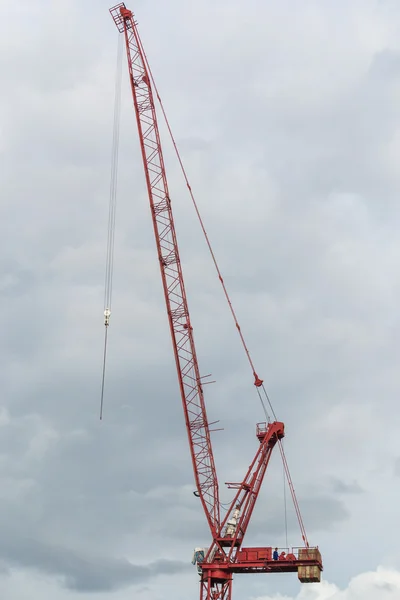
(287, 114)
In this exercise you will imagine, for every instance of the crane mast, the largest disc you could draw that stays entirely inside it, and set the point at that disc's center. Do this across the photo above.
(225, 555)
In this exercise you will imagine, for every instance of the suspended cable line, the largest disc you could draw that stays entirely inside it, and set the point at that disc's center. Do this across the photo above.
(285, 505)
(111, 213)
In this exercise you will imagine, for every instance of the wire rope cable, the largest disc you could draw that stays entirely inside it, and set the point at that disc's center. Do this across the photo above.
(285, 505)
(112, 213)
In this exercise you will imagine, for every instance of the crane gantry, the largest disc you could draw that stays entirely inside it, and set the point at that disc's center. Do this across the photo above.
(225, 555)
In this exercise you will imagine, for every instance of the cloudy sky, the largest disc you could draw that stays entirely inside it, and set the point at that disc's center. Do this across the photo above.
(287, 114)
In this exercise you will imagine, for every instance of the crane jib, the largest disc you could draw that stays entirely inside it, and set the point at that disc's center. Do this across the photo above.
(171, 271)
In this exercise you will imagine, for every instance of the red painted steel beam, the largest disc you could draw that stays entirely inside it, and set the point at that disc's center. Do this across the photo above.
(248, 491)
(271, 566)
(170, 267)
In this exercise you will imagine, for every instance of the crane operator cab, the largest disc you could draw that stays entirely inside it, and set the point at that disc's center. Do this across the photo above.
(198, 557)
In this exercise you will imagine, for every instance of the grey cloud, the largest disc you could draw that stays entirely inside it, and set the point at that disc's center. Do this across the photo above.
(323, 512)
(286, 141)
(85, 573)
(341, 487)
(386, 65)
(320, 513)
(384, 586)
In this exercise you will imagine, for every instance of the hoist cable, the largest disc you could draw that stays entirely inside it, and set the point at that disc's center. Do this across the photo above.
(269, 401)
(258, 382)
(285, 504)
(293, 494)
(112, 212)
(113, 182)
(263, 406)
(104, 373)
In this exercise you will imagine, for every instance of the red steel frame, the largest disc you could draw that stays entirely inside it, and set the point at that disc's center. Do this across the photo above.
(171, 272)
(225, 555)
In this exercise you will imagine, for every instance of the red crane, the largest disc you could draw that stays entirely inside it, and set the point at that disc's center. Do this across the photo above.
(225, 555)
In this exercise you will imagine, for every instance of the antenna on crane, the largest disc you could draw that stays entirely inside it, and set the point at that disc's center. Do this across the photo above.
(111, 214)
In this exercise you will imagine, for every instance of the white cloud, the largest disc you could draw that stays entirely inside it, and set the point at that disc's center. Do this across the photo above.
(382, 583)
